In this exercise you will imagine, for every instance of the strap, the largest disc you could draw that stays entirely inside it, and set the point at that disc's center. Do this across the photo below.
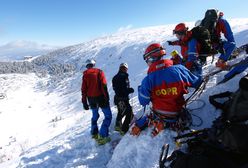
(212, 99)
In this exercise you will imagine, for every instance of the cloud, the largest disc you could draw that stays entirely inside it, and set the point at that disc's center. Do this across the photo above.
(24, 44)
(16, 50)
(125, 28)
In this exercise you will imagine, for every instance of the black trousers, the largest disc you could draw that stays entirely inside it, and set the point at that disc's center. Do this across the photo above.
(99, 101)
(124, 110)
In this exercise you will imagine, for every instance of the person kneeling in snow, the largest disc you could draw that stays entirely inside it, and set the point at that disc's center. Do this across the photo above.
(94, 88)
(164, 85)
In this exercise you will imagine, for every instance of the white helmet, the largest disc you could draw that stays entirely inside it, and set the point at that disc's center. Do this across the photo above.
(124, 65)
(198, 23)
(90, 62)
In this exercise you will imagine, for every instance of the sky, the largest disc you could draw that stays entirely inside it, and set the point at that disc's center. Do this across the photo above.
(69, 22)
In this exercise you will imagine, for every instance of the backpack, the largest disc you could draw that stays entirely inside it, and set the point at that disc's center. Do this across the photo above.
(231, 128)
(202, 154)
(224, 144)
(202, 35)
(209, 22)
(235, 109)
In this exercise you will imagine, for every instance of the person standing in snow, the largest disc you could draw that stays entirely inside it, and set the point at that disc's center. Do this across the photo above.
(164, 86)
(94, 90)
(121, 86)
(189, 48)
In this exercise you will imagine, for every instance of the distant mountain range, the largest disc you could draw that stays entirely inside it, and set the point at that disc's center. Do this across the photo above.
(17, 50)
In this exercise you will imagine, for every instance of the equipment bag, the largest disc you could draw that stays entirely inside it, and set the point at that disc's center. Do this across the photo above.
(235, 109)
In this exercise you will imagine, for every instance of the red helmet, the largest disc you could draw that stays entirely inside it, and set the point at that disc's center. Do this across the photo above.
(180, 29)
(154, 51)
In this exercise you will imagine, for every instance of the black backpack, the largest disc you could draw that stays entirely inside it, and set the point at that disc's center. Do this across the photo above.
(235, 109)
(209, 22)
(231, 125)
(224, 144)
(202, 35)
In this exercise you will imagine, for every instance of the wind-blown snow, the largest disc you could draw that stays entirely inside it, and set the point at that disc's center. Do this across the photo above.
(42, 120)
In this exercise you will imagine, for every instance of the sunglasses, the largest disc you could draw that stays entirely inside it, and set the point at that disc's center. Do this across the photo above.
(180, 33)
(151, 60)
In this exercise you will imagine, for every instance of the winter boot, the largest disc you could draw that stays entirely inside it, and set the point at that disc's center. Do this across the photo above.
(102, 140)
(94, 136)
(119, 130)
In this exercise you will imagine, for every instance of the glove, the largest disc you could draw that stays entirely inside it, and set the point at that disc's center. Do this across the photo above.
(135, 131)
(86, 106)
(189, 65)
(130, 90)
(170, 42)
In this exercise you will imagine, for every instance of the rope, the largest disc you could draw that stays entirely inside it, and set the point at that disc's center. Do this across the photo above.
(200, 119)
(198, 108)
(198, 91)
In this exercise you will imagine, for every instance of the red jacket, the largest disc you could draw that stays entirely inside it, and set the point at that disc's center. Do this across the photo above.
(94, 83)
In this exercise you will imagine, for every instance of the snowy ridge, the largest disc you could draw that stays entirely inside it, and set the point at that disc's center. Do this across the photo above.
(44, 124)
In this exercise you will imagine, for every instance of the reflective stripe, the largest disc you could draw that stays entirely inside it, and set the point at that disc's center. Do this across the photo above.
(195, 53)
(146, 97)
(151, 52)
(169, 113)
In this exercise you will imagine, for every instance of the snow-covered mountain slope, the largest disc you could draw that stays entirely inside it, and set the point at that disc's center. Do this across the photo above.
(42, 120)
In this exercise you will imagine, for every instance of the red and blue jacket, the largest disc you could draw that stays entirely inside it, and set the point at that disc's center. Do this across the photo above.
(189, 49)
(222, 26)
(183, 43)
(165, 86)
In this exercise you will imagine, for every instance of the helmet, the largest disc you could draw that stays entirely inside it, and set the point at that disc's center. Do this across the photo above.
(124, 65)
(212, 14)
(180, 29)
(154, 51)
(90, 62)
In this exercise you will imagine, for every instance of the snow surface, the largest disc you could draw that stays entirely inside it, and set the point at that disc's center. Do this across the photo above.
(42, 121)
